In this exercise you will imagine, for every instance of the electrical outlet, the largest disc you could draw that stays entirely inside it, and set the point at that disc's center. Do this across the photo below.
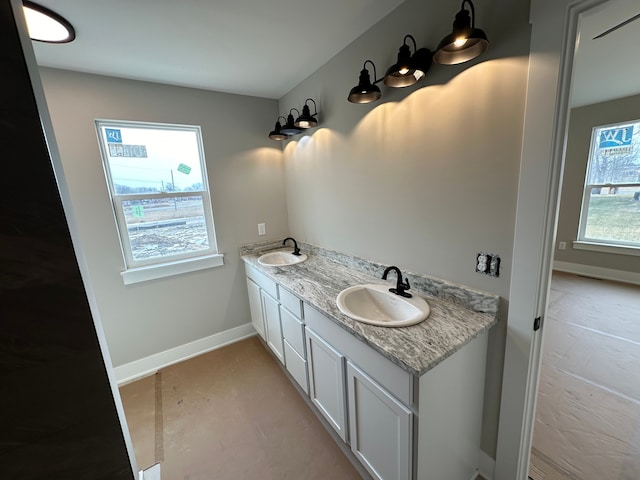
(488, 263)
(562, 245)
(262, 229)
(482, 262)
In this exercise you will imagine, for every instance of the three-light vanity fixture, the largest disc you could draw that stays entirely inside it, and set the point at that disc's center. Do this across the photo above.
(305, 120)
(464, 43)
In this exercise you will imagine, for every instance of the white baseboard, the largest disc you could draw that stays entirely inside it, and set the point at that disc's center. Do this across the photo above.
(149, 365)
(151, 473)
(598, 272)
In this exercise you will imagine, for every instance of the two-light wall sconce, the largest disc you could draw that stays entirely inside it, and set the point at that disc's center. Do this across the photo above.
(464, 43)
(305, 120)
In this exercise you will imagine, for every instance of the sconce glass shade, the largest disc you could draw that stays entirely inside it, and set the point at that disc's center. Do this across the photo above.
(45, 25)
(276, 133)
(465, 42)
(365, 91)
(290, 128)
(306, 120)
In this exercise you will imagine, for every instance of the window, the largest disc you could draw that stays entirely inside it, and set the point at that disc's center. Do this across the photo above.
(611, 201)
(157, 179)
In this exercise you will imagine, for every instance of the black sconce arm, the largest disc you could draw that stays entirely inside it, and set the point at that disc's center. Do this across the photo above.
(375, 74)
(315, 107)
(473, 11)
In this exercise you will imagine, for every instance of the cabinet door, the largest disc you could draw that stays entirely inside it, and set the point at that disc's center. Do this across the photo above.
(255, 305)
(271, 309)
(380, 428)
(326, 382)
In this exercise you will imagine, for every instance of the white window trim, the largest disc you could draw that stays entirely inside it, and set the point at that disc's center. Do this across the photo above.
(153, 272)
(600, 245)
(152, 269)
(606, 248)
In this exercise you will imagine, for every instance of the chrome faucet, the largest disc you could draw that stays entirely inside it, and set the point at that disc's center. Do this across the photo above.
(401, 286)
(296, 250)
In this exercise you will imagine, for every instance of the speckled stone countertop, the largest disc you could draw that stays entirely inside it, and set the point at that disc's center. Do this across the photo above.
(458, 314)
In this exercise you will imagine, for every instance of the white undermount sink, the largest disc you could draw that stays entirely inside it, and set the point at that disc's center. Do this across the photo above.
(376, 305)
(281, 259)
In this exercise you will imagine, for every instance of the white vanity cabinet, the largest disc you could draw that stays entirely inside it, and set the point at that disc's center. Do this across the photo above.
(271, 309)
(265, 309)
(379, 426)
(397, 425)
(327, 382)
(255, 305)
(292, 320)
(349, 380)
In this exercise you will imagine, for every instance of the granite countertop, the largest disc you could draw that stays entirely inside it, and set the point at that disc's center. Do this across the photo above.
(416, 349)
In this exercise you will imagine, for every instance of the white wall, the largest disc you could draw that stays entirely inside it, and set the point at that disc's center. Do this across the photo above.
(247, 183)
(429, 178)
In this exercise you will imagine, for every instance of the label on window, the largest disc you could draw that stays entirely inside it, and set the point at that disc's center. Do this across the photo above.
(114, 135)
(184, 168)
(616, 138)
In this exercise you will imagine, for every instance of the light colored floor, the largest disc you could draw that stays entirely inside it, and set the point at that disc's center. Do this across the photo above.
(229, 414)
(588, 409)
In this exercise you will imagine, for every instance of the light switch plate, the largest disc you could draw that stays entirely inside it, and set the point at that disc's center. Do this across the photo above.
(262, 229)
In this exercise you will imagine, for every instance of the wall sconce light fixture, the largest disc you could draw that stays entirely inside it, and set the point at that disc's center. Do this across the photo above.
(409, 69)
(365, 91)
(305, 120)
(290, 127)
(276, 133)
(465, 42)
(45, 25)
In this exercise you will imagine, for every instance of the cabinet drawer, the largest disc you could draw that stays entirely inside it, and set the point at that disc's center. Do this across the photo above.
(291, 302)
(293, 331)
(268, 285)
(296, 366)
(394, 379)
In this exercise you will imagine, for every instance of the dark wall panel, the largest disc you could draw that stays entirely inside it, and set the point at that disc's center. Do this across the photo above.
(58, 418)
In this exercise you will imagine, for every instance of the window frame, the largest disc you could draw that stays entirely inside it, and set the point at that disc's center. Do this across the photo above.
(165, 265)
(584, 242)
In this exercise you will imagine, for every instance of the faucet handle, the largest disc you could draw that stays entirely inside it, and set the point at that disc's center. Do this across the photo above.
(401, 288)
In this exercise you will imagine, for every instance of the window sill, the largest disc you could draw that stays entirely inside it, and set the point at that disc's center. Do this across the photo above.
(605, 248)
(153, 272)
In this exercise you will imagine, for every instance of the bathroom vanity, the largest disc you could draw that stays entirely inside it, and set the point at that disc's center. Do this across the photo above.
(406, 401)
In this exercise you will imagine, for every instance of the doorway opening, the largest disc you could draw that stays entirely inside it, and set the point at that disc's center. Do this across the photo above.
(587, 421)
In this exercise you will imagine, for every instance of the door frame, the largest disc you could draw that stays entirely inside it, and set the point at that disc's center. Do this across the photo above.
(554, 28)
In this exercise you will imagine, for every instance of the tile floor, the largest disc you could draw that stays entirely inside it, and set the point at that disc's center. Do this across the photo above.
(229, 414)
(588, 412)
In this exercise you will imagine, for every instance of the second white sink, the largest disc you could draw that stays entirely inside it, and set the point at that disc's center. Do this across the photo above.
(281, 259)
(376, 305)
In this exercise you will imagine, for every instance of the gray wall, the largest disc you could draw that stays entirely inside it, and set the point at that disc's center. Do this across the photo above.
(582, 121)
(247, 184)
(429, 178)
